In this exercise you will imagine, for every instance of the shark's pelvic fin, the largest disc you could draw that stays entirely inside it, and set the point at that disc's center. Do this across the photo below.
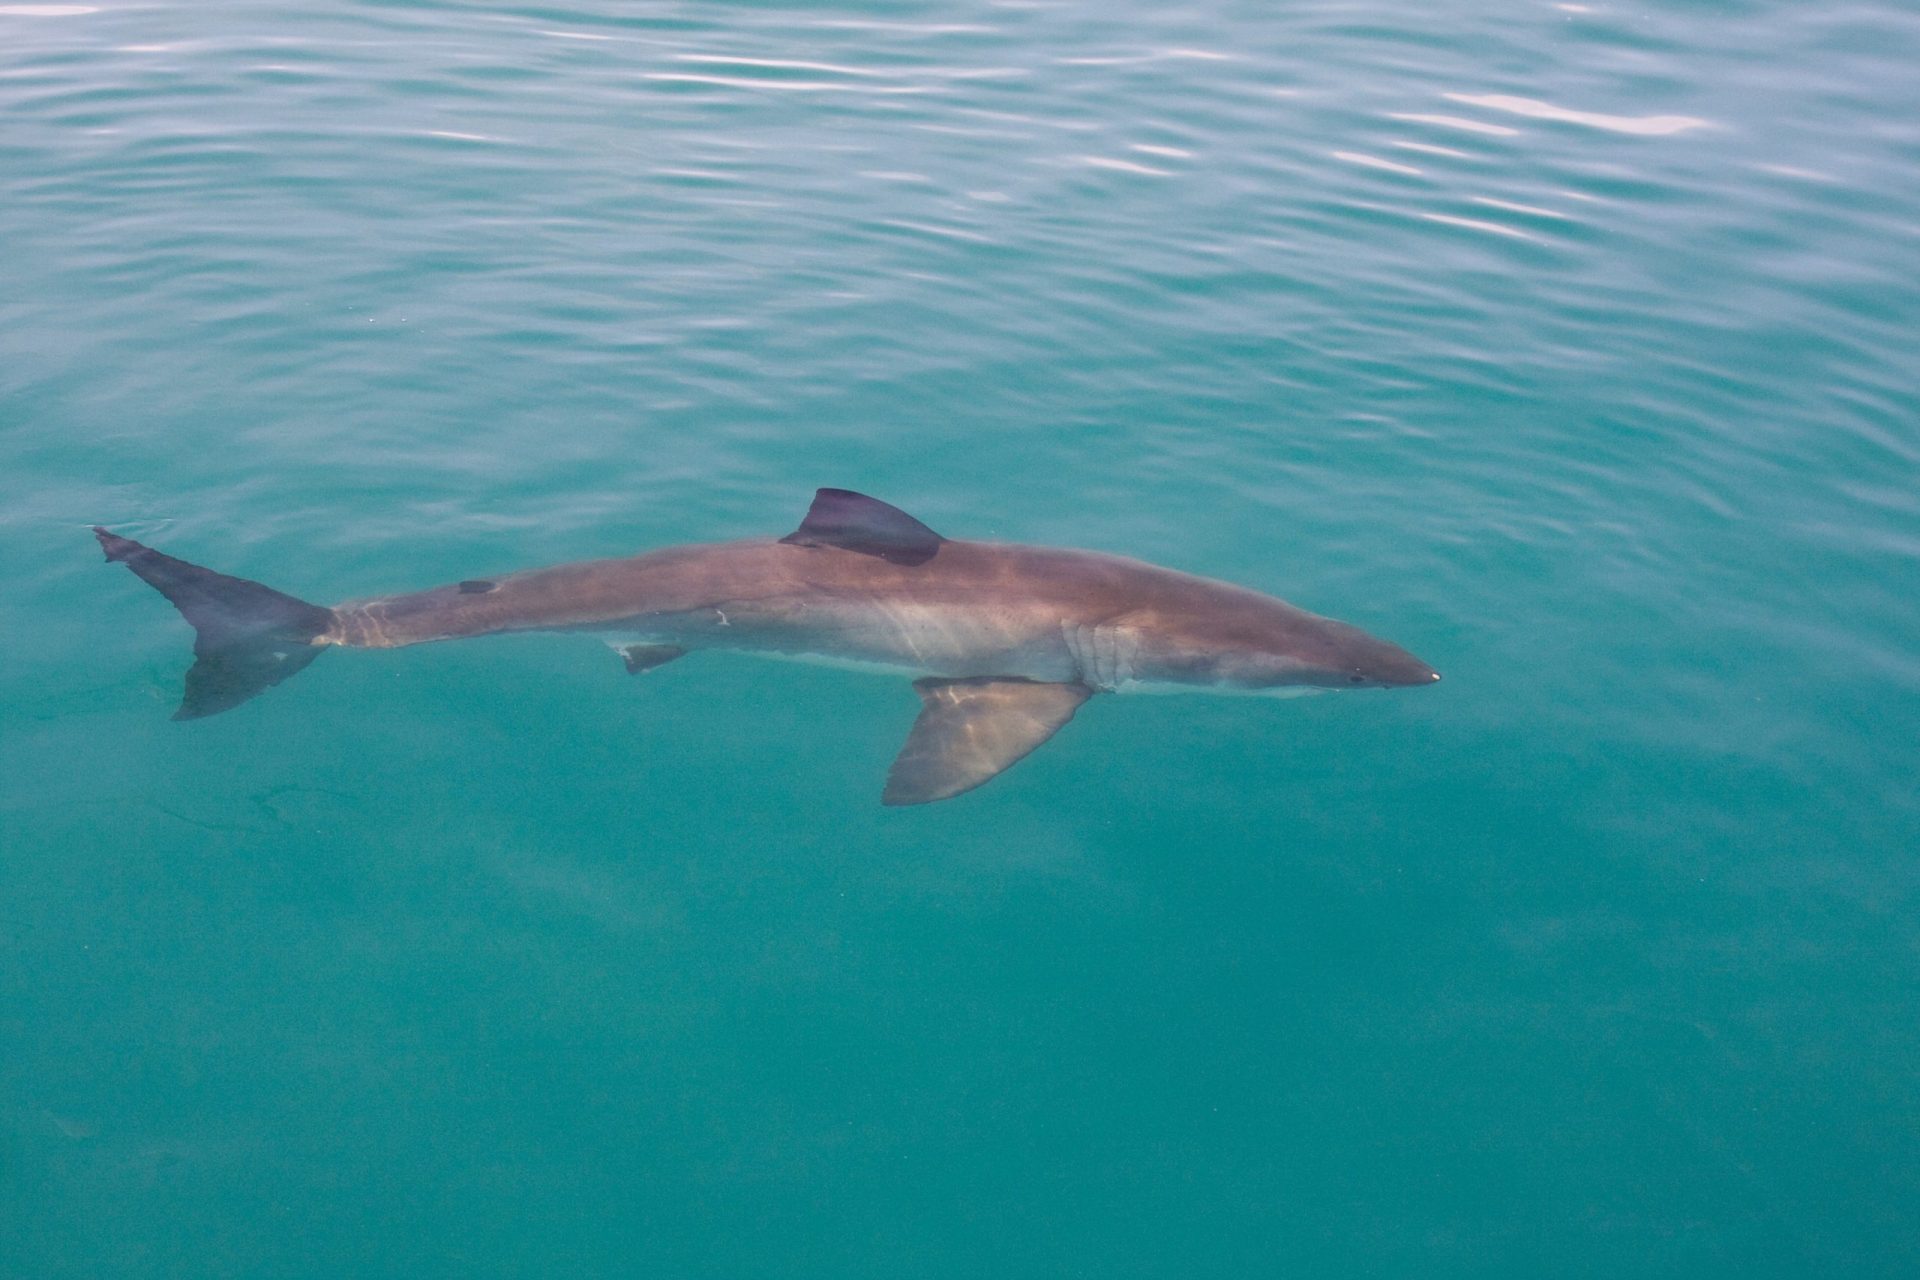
(247, 637)
(645, 657)
(854, 522)
(970, 730)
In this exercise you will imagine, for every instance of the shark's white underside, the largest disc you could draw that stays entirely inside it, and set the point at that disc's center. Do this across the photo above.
(619, 641)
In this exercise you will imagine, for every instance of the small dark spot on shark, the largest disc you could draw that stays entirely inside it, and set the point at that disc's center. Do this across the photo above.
(477, 587)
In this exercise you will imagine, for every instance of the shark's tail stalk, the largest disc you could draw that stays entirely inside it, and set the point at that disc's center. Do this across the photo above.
(248, 637)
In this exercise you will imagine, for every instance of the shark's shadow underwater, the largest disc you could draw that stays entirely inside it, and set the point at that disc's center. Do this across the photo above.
(1007, 640)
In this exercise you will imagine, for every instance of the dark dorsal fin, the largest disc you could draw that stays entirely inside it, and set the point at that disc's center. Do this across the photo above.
(855, 522)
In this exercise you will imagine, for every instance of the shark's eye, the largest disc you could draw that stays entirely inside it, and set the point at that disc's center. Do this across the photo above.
(1356, 679)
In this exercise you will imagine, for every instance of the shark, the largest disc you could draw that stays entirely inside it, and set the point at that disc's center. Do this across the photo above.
(1005, 641)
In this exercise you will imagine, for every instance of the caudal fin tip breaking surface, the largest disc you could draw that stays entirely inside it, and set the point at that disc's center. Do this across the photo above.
(116, 547)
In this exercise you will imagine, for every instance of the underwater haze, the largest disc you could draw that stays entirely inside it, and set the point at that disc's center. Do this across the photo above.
(1571, 346)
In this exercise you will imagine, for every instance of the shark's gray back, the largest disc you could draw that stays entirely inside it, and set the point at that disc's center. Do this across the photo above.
(975, 608)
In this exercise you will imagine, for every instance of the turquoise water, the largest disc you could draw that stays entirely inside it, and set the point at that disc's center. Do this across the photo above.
(1570, 346)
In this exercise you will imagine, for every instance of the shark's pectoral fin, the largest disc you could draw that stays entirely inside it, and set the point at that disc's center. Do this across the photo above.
(970, 730)
(645, 657)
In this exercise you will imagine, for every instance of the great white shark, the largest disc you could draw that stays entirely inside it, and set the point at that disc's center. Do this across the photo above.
(1007, 641)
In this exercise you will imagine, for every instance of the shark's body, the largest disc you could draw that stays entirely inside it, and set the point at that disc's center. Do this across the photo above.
(1008, 640)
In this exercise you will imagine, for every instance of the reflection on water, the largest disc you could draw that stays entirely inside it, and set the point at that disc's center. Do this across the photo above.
(1532, 108)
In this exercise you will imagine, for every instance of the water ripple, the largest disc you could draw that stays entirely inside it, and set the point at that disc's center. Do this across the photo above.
(1537, 110)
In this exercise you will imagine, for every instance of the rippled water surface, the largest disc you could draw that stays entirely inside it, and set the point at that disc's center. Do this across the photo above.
(1570, 345)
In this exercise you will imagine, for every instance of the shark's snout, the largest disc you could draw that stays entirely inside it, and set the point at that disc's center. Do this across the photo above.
(1374, 680)
(1387, 666)
(1324, 654)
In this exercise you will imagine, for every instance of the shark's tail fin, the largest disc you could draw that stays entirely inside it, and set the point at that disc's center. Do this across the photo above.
(249, 637)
